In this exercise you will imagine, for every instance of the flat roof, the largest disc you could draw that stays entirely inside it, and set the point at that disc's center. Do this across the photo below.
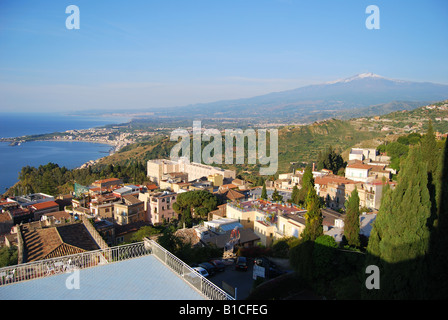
(143, 278)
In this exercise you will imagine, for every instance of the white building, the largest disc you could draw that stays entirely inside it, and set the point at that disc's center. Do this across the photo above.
(156, 169)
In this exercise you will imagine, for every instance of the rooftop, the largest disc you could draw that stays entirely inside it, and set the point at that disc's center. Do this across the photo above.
(143, 278)
(44, 205)
(139, 271)
(44, 243)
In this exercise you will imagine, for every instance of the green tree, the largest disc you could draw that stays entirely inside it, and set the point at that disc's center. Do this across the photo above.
(199, 202)
(169, 241)
(144, 232)
(399, 238)
(323, 256)
(264, 193)
(276, 196)
(294, 194)
(307, 184)
(301, 259)
(439, 236)
(8, 256)
(330, 160)
(351, 222)
(313, 217)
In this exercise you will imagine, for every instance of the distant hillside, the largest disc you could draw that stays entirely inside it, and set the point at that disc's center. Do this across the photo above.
(360, 95)
(406, 121)
(302, 143)
(297, 144)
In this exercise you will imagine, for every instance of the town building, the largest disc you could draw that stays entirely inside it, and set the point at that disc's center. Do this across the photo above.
(126, 190)
(367, 154)
(6, 222)
(359, 171)
(161, 207)
(39, 242)
(129, 210)
(108, 184)
(30, 199)
(40, 208)
(157, 169)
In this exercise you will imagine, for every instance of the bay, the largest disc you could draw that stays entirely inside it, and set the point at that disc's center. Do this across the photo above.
(70, 154)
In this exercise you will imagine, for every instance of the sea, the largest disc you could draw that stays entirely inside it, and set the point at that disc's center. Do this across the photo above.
(69, 154)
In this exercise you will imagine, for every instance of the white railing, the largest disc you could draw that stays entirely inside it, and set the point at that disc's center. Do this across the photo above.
(49, 267)
(207, 288)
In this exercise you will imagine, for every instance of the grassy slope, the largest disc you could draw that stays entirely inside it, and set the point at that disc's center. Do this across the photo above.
(303, 143)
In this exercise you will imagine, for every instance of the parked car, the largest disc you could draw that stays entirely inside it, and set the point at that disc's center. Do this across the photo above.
(201, 271)
(241, 263)
(218, 264)
(209, 267)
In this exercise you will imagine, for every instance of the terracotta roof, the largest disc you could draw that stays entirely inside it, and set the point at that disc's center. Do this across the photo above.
(331, 178)
(16, 212)
(360, 166)
(58, 215)
(5, 217)
(45, 243)
(228, 186)
(151, 186)
(234, 195)
(131, 200)
(44, 205)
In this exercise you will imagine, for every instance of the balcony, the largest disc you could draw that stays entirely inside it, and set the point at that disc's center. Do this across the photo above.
(139, 271)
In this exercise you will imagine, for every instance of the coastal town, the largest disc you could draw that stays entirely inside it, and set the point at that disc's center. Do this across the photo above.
(110, 213)
(201, 208)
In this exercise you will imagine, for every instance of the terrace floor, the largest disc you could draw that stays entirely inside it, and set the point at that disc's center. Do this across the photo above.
(144, 278)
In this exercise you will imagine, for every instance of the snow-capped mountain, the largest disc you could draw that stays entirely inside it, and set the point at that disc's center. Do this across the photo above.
(356, 92)
(358, 77)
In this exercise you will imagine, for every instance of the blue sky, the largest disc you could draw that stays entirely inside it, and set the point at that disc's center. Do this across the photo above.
(163, 53)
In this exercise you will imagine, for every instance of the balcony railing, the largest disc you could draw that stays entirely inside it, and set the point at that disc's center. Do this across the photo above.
(208, 289)
(48, 267)
(60, 265)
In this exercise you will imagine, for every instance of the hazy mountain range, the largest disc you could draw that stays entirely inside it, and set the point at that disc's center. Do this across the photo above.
(361, 95)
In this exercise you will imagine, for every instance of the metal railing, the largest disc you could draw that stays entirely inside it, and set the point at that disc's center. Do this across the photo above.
(60, 265)
(49, 267)
(207, 288)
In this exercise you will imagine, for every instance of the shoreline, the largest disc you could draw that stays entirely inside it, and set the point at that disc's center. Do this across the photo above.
(113, 144)
(113, 149)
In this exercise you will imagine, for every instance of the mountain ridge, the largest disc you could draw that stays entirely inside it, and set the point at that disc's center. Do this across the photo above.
(305, 103)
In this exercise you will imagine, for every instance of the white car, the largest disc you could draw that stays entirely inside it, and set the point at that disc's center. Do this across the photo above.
(201, 271)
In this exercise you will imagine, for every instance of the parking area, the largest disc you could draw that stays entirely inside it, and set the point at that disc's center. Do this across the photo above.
(242, 280)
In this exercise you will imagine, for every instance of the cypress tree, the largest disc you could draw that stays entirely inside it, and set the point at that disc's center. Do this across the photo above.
(430, 151)
(294, 195)
(307, 184)
(351, 222)
(439, 236)
(264, 193)
(313, 216)
(399, 239)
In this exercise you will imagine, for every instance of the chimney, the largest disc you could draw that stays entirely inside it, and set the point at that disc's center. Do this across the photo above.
(313, 166)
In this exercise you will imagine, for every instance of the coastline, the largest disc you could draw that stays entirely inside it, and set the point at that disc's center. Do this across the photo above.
(108, 149)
